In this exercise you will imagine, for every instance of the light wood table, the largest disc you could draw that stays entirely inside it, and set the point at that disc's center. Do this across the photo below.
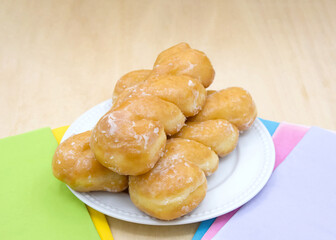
(59, 58)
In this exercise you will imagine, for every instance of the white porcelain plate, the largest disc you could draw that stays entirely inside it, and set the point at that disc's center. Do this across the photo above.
(240, 176)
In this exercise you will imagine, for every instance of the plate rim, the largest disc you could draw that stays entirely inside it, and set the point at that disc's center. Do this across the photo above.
(258, 183)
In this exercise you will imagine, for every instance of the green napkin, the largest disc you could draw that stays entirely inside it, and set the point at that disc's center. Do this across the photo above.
(33, 203)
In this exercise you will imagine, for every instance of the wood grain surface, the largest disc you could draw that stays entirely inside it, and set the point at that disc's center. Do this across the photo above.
(59, 58)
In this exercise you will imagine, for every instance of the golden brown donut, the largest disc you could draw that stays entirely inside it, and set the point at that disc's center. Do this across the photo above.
(74, 163)
(173, 188)
(154, 108)
(181, 59)
(127, 146)
(129, 80)
(192, 151)
(220, 135)
(233, 104)
(180, 47)
(183, 91)
(209, 92)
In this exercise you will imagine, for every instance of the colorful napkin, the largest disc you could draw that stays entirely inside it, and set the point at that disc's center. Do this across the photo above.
(285, 139)
(35, 205)
(220, 221)
(299, 201)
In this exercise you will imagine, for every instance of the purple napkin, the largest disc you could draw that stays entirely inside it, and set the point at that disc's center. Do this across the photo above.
(299, 201)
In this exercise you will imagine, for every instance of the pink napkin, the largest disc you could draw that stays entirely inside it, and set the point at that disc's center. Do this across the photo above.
(285, 138)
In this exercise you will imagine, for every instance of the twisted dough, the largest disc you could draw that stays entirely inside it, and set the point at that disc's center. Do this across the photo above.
(183, 60)
(192, 151)
(130, 139)
(173, 188)
(187, 93)
(127, 146)
(75, 164)
(154, 108)
(220, 135)
(129, 80)
(233, 104)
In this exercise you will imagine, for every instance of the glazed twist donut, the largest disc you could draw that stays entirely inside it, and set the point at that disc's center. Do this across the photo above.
(220, 135)
(233, 104)
(75, 164)
(131, 137)
(192, 151)
(129, 80)
(187, 93)
(173, 188)
(183, 60)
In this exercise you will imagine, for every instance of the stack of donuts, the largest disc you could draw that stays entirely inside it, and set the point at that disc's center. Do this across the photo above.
(162, 137)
